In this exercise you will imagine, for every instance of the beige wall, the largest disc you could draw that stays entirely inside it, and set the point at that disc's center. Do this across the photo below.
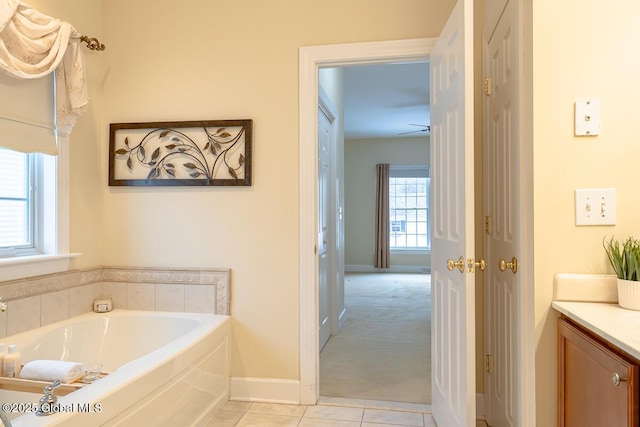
(361, 157)
(220, 60)
(579, 49)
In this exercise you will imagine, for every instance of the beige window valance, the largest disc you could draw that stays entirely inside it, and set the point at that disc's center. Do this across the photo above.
(33, 45)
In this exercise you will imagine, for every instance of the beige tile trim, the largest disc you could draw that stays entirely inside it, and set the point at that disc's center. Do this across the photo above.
(219, 277)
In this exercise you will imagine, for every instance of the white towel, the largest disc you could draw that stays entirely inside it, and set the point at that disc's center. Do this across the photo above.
(51, 370)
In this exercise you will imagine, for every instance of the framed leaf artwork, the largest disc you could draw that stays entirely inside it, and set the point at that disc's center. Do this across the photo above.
(211, 153)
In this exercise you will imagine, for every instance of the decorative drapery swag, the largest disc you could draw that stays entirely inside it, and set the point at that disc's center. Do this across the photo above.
(33, 45)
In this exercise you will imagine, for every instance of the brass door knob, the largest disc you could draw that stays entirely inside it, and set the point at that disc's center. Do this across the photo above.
(451, 264)
(479, 264)
(513, 265)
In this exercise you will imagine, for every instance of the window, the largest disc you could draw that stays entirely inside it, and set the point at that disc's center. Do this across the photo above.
(18, 203)
(34, 187)
(409, 208)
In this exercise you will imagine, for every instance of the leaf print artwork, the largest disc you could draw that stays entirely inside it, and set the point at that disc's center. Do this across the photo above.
(181, 153)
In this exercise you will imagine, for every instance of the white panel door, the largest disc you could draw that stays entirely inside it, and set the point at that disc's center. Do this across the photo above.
(501, 109)
(452, 124)
(324, 226)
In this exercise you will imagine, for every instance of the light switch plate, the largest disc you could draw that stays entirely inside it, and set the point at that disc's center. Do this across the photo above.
(588, 117)
(596, 206)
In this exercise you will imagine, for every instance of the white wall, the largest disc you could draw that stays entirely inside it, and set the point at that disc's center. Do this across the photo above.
(579, 49)
(361, 157)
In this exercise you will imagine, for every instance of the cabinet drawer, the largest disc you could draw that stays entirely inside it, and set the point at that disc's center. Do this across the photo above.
(587, 395)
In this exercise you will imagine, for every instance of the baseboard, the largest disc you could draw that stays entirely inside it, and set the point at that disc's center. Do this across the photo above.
(354, 268)
(480, 406)
(271, 390)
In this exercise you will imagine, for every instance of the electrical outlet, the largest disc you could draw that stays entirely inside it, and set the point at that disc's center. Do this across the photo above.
(596, 206)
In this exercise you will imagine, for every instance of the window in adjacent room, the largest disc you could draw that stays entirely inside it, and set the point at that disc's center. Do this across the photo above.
(409, 208)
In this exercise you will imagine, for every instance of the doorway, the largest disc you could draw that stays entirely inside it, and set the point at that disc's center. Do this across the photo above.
(386, 333)
(310, 59)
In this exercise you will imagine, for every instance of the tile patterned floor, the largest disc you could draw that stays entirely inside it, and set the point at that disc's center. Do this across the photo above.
(327, 413)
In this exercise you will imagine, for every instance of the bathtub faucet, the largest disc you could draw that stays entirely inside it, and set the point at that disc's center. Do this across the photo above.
(48, 400)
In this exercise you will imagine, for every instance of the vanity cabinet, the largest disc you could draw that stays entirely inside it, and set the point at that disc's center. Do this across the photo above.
(597, 382)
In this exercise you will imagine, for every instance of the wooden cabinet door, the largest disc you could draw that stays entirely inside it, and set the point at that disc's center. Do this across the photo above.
(587, 395)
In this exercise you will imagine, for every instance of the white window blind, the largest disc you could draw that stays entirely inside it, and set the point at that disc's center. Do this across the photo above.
(27, 121)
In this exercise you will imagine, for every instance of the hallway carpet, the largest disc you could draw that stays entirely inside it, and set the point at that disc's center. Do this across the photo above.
(384, 349)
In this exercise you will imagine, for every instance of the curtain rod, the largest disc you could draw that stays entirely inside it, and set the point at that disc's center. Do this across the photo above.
(93, 43)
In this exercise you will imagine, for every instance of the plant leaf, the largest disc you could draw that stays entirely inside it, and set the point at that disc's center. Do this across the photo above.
(170, 146)
(624, 257)
(241, 160)
(232, 172)
(195, 174)
(164, 133)
(155, 154)
(121, 151)
(129, 163)
(143, 152)
(170, 172)
(126, 141)
(152, 173)
(225, 135)
(190, 166)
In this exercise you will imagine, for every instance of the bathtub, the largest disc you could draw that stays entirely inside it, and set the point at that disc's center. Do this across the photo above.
(164, 368)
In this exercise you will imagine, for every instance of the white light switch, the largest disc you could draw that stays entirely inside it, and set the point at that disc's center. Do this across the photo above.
(596, 206)
(588, 118)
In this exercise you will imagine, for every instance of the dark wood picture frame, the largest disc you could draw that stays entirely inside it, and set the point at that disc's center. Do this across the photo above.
(188, 153)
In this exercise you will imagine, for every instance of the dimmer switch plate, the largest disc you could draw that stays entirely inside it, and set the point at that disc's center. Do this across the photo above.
(596, 206)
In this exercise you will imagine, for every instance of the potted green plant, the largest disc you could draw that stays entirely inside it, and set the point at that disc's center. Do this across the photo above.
(624, 257)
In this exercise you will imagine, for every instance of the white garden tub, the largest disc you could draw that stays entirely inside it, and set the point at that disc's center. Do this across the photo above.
(165, 368)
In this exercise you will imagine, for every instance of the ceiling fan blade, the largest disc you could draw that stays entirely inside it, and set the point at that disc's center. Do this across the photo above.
(413, 131)
(427, 128)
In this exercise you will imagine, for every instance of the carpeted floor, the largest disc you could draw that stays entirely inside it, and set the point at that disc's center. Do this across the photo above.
(384, 349)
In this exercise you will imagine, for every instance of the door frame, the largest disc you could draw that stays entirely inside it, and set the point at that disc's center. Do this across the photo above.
(311, 59)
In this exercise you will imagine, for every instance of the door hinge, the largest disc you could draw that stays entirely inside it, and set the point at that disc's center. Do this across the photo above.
(488, 363)
(487, 224)
(487, 86)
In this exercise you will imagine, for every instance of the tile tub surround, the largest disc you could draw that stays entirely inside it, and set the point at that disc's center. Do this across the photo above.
(42, 300)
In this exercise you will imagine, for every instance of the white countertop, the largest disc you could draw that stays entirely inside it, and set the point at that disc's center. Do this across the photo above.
(619, 326)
